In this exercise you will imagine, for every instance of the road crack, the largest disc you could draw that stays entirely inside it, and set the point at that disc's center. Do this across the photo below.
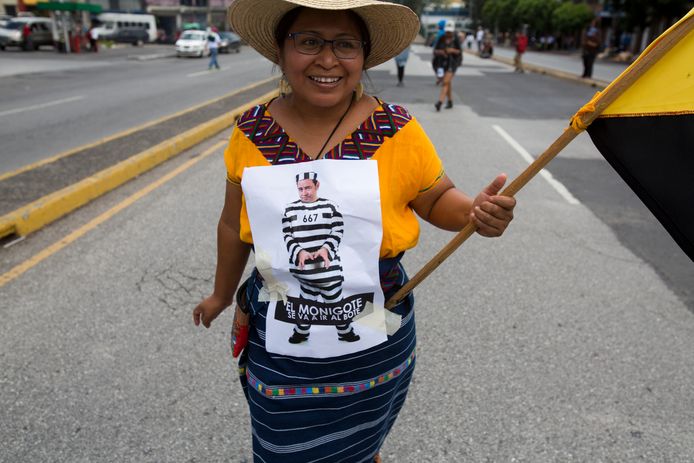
(176, 288)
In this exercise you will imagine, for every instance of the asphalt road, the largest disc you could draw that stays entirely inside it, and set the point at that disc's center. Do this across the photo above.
(51, 103)
(564, 340)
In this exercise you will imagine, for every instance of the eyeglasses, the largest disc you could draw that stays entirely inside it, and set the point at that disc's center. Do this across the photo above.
(310, 44)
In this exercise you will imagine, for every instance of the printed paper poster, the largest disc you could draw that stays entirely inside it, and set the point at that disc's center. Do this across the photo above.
(317, 234)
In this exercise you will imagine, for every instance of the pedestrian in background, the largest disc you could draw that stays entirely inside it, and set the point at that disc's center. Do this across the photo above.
(487, 44)
(591, 46)
(439, 34)
(448, 55)
(441, 24)
(400, 62)
(93, 36)
(521, 46)
(26, 37)
(213, 41)
(469, 39)
(479, 37)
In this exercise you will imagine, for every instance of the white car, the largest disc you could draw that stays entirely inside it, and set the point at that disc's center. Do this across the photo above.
(39, 31)
(191, 43)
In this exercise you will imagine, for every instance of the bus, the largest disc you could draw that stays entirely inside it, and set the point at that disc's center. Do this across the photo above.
(110, 23)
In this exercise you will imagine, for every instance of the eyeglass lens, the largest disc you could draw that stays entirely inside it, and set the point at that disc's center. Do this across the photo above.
(310, 44)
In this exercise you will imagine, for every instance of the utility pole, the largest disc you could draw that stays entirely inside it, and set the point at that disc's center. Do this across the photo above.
(65, 22)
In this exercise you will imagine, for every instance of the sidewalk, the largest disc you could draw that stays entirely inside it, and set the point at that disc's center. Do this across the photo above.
(570, 64)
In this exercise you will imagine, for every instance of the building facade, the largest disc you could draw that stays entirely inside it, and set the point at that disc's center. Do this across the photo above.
(173, 15)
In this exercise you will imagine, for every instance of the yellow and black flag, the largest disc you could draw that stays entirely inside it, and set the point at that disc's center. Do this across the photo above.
(643, 124)
(647, 132)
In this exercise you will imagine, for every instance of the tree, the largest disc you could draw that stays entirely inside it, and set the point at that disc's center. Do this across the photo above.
(651, 15)
(476, 11)
(639, 13)
(536, 13)
(499, 14)
(571, 17)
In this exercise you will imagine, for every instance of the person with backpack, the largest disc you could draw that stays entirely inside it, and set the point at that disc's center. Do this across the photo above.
(439, 33)
(213, 41)
(448, 56)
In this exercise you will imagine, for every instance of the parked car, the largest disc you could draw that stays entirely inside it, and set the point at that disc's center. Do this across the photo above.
(134, 35)
(191, 43)
(29, 33)
(230, 42)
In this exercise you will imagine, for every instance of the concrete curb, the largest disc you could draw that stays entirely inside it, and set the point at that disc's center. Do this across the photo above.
(550, 72)
(51, 207)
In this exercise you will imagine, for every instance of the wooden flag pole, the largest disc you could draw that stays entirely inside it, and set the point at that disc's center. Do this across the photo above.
(581, 120)
(511, 190)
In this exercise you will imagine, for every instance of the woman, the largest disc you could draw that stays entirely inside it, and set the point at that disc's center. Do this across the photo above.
(336, 408)
(448, 55)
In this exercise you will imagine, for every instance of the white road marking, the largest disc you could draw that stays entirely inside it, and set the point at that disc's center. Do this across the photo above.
(40, 106)
(556, 184)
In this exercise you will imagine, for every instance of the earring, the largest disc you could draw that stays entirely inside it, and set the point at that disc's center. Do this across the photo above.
(284, 87)
(359, 91)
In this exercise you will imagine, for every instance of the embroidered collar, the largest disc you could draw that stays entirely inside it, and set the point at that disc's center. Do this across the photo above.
(278, 148)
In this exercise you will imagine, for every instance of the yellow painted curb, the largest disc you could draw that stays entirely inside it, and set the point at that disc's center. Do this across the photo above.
(124, 133)
(45, 210)
(74, 235)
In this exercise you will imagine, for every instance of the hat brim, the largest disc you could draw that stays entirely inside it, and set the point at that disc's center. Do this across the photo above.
(392, 27)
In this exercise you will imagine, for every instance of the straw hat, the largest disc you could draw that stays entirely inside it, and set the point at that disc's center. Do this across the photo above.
(392, 27)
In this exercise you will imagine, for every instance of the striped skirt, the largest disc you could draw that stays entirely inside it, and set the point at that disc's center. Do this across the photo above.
(337, 409)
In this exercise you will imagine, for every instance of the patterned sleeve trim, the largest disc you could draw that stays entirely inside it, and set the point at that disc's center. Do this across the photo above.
(435, 182)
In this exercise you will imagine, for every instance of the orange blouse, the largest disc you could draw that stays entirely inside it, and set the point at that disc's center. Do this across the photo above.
(407, 164)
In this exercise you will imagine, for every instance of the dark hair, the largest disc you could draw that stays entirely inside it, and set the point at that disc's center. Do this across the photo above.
(315, 182)
(282, 29)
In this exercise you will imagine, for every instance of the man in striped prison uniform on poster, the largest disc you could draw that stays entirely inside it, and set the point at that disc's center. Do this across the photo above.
(313, 229)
